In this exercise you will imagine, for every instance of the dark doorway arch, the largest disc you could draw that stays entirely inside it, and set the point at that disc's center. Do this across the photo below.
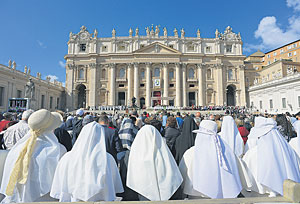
(81, 96)
(230, 95)
(142, 102)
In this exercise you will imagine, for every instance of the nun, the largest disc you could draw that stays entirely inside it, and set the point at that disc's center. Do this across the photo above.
(186, 139)
(87, 172)
(231, 135)
(209, 168)
(30, 164)
(270, 159)
(295, 142)
(152, 170)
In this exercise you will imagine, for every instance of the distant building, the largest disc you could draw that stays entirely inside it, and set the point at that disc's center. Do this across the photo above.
(155, 69)
(272, 78)
(49, 95)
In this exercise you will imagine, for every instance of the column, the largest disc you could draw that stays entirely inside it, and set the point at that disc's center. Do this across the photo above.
(92, 85)
(201, 93)
(178, 95)
(184, 84)
(112, 84)
(242, 85)
(130, 81)
(136, 83)
(166, 83)
(148, 85)
(220, 89)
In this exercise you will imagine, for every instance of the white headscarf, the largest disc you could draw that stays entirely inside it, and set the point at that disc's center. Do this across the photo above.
(276, 160)
(87, 172)
(231, 135)
(215, 172)
(44, 159)
(295, 142)
(152, 170)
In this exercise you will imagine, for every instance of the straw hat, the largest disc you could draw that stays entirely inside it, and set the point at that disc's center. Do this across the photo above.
(44, 120)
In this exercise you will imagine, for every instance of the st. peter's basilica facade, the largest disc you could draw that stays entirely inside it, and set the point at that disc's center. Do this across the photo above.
(155, 68)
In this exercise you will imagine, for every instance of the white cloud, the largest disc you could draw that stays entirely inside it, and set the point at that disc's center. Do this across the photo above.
(272, 35)
(64, 84)
(295, 4)
(52, 77)
(41, 44)
(62, 64)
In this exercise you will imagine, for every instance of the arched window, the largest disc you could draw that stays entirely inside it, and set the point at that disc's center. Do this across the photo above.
(171, 74)
(208, 73)
(142, 75)
(156, 72)
(103, 74)
(191, 73)
(81, 74)
(122, 73)
(230, 74)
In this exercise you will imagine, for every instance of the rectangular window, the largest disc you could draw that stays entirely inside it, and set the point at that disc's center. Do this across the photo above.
(269, 62)
(19, 94)
(142, 85)
(295, 53)
(82, 47)
(228, 48)
(275, 53)
(43, 101)
(57, 103)
(192, 85)
(289, 47)
(260, 104)
(271, 103)
(299, 101)
(289, 54)
(283, 102)
(171, 46)
(252, 104)
(208, 49)
(171, 85)
(1, 96)
(295, 45)
(281, 51)
(51, 102)
(268, 56)
(121, 85)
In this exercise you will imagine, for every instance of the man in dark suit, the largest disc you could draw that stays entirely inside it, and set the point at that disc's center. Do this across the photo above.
(112, 140)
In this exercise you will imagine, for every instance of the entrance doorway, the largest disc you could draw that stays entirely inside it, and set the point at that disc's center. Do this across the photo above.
(230, 95)
(157, 100)
(142, 102)
(81, 97)
(121, 98)
(192, 98)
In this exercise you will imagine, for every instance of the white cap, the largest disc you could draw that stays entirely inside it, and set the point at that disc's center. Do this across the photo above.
(26, 114)
(79, 112)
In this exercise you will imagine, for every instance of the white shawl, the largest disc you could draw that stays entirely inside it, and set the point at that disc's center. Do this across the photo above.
(44, 159)
(87, 172)
(215, 172)
(295, 142)
(14, 133)
(231, 135)
(152, 170)
(276, 160)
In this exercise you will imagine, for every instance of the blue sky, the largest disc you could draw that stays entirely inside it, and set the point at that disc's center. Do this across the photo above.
(35, 32)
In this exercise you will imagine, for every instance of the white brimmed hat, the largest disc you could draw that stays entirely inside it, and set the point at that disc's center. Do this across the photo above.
(44, 120)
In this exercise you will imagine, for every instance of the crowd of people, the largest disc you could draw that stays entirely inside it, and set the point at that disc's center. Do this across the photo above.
(57, 156)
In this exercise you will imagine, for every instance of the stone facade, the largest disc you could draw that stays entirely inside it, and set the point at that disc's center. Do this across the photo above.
(49, 95)
(167, 70)
(277, 96)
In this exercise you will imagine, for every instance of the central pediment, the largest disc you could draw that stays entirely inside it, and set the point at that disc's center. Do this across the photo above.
(157, 48)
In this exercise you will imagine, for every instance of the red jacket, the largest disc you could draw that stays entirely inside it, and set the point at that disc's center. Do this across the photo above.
(3, 124)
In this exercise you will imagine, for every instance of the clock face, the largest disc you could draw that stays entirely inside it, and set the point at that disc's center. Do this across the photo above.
(83, 35)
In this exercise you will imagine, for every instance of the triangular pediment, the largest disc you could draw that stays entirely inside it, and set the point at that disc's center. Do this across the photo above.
(157, 48)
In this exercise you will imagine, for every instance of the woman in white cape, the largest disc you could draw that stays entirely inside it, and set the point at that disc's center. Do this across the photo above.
(295, 142)
(87, 172)
(31, 163)
(270, 160)
(210, 168)
(231, 135)
(152, 170)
